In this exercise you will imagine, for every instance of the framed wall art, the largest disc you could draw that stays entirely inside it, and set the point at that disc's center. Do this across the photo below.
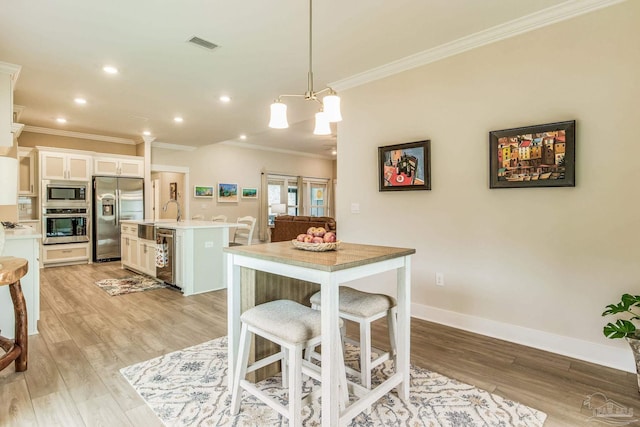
(405, 166)
(203, 191)
(227, 193)
(249, 193)
(533, 156)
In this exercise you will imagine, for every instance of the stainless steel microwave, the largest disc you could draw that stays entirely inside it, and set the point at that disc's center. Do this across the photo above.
(65, 193)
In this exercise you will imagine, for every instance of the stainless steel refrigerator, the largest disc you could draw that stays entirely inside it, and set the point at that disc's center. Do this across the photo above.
(114, 199)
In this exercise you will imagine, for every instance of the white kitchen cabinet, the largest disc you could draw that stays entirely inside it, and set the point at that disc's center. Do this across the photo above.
(8, 76)
(27, 172)
(119, 166)
(68, 253)
(147, 257)
(65, 166)
(129, 246)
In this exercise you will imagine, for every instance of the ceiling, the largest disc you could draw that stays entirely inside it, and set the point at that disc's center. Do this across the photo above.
(62, 46)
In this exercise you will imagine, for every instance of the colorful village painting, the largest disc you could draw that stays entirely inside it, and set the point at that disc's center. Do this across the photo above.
(532, 157)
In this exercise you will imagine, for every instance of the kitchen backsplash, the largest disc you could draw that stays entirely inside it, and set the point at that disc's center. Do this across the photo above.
(27, 208)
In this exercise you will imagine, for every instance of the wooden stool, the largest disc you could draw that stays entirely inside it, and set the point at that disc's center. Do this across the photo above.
(364, 308)
(11, 270)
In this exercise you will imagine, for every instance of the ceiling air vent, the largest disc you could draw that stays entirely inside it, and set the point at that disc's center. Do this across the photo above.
(202, 43)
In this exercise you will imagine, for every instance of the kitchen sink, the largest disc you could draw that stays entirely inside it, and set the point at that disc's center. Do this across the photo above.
(147, 231)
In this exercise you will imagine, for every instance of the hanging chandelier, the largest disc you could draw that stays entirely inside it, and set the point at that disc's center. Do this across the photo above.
(329, 106)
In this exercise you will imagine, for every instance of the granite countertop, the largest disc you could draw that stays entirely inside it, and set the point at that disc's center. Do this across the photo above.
(21, 233)
(348, 255)
(187, 224)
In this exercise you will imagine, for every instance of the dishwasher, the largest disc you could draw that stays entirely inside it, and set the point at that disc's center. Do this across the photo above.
(166, 256)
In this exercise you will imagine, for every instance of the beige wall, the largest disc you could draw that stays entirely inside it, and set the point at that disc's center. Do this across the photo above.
(165, 179)
(215, 163)
(31, 139)
(542, 262)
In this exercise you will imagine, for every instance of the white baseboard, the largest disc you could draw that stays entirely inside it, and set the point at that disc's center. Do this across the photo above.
(618, 358)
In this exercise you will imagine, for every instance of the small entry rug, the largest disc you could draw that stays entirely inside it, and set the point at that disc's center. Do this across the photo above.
(129, 285)
(189, 388)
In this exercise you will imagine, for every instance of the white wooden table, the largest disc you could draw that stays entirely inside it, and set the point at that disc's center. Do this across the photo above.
(329, 269)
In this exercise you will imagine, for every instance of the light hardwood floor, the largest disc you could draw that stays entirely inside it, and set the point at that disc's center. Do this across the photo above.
(86, 336)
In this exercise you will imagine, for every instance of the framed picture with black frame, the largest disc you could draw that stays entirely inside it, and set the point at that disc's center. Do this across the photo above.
(533, 156)
(405, 167)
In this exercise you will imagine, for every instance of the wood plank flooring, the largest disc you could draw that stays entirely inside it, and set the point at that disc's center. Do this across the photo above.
(86, 336)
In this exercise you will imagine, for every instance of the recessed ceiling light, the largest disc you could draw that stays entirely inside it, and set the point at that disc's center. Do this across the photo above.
(225, 98)
(146, 133)
(110, 69)
(178, 119)
(80, 101)
(243, 136)
(61, 120)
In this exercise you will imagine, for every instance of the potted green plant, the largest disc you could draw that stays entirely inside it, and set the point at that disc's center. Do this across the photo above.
(625, 328)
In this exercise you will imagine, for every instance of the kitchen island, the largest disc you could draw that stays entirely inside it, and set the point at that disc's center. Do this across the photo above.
(283, 263)
(199, 260)
(22, 243)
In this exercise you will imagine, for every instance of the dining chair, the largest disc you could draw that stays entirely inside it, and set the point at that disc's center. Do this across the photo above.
(198, 217)
(245, 232)
(219, 218)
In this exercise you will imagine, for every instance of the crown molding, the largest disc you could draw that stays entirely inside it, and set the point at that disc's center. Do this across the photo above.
(16, 129)
(71, 134)
(178, 147)
(276, 150)
(11, 69)
(533, 21)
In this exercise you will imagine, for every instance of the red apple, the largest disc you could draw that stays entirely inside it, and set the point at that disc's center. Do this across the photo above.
(319, 231)
(311, 230)
(329, 237)
(307, 238)
(300, 237)
(317, 239)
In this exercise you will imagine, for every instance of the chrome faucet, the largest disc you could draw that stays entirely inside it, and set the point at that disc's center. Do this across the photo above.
(164, 208)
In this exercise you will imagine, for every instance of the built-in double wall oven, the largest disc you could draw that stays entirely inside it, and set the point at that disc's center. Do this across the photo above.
(65, 212)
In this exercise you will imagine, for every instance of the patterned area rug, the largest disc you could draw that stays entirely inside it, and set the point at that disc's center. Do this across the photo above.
(189, 388)
(129, 285)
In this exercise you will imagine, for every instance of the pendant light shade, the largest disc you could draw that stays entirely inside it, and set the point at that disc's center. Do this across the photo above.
(322, 124)
(331, 108)
(278, 116)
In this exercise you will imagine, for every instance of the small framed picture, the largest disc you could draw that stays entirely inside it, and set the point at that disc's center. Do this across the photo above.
(227, 193)
(173, 191)
(203, 191)
(249, 193)
(533, 156)
(405, 167)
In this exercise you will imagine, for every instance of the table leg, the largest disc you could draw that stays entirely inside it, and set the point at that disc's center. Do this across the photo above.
(233, 318)
(330, 350)
(404, 327)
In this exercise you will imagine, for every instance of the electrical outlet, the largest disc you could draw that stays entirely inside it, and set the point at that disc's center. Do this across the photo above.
(208, 244)
(439, 279)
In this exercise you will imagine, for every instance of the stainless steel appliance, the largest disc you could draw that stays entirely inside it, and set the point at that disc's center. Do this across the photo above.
(114, 199)
(65, 225)
(65, 194)
(166, 237)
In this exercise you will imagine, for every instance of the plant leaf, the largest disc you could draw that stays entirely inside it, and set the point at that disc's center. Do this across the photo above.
(620, 329)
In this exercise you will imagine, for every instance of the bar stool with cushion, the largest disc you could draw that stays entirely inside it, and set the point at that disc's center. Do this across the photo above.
(219, 218)
(293, 327)
(11, 271)
(364, 308)
(244, 234)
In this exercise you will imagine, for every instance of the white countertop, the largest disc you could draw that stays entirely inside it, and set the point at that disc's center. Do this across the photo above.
(21, 233)
(190, 223)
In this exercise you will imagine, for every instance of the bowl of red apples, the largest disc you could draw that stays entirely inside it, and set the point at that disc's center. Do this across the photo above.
(317, 239)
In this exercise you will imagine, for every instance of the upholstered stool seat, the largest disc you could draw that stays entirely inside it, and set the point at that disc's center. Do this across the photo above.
(293, 327)
(365, 308)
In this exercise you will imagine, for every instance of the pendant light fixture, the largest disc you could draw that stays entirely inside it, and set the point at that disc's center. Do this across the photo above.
(329, 106)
